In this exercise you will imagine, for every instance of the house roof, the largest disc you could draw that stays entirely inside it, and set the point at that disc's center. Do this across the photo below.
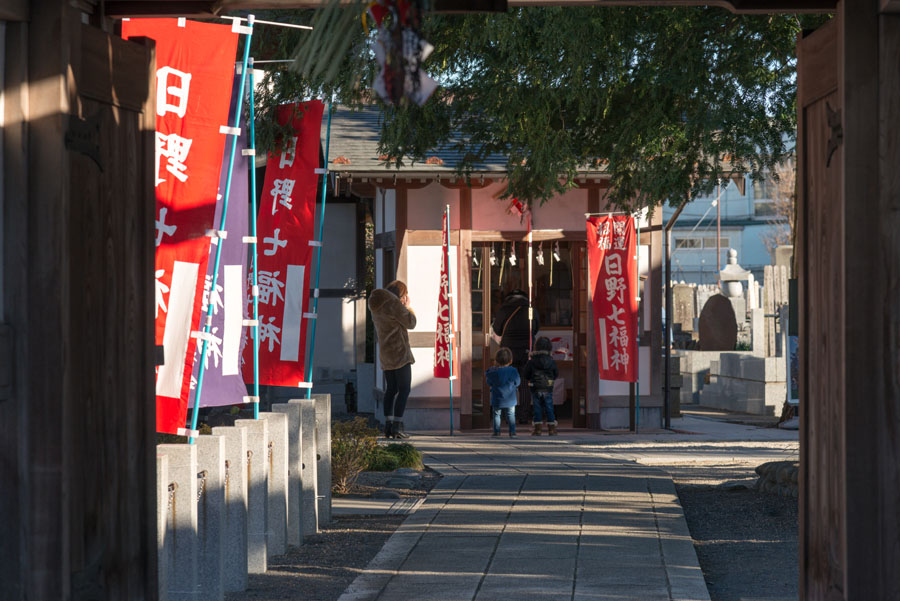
(353, 150)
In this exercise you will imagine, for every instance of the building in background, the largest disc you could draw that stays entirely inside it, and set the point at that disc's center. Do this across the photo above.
(753, 217)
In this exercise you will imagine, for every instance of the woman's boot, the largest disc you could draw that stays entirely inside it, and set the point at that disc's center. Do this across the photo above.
(538, 427)
(397, 431)
(389, 429)
(551, 429)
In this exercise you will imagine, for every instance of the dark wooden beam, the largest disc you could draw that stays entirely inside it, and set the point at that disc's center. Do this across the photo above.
(468, 6)
(522, 235)
(147, 8)
(14, 10)
(737, 6)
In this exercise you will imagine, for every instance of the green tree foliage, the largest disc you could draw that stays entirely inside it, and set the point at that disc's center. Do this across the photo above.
(666, 100)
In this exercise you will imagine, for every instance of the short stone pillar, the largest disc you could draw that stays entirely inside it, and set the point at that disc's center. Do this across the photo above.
(257, 492)
(309, 513)
(234, 560)
(323, 464)
(162, 513)
(276, 523)
(758, 332)
(295, 470)
(182, 569)
(211, 514)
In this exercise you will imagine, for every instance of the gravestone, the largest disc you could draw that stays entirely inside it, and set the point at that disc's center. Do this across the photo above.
(683, 306)
(784, 256)
(718, 327)
(752, 293)
(704, 292)
(769, 308)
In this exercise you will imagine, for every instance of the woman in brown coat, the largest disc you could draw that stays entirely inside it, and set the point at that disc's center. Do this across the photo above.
(393, 317)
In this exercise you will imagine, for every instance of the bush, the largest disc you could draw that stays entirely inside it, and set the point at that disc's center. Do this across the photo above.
(393, 456)
(383, 460)
(352, 445)
(407, 455)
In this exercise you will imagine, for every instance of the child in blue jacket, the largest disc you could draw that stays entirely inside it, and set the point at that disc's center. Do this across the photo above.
(504, 381)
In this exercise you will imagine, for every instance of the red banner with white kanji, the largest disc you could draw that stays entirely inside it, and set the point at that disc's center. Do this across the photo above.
(285, 228)
(443, 355)
(613, 272)
(195, 66)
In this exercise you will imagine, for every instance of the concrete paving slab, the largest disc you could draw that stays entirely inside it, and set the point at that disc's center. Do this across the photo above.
(368, 506)
(533, 520)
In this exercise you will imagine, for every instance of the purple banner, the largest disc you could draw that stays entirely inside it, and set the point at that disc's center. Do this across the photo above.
(223, 382)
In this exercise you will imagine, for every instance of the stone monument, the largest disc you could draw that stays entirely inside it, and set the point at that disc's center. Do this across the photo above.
(718, 327)
(683, 306)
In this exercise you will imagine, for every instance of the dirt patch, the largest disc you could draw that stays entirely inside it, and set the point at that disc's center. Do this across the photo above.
(326, 563)
(370, 482)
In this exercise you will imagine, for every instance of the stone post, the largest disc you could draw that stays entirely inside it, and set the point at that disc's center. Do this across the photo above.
(182, 570)
(757, 332)
(276, 523)
(295, 470)
(235, 485)
(211, 514)
(162, 512)
(769, 308)
(257, 492)
(323, 456)
(309, 513)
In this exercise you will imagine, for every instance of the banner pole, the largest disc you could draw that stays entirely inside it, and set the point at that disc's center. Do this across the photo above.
(450, 309)
(637, 335)
(312, 337)
(530, 278)
(209, 305)
(254, 291)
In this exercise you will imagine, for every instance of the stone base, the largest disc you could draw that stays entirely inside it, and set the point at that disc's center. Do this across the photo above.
(746, 383)
(618, 418)
(429, 419)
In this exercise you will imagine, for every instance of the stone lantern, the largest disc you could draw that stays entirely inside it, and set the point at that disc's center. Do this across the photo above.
(732, 276)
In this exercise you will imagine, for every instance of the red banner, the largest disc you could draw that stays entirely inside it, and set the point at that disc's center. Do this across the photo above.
(285, 228)
(442, 341)
(195, 66)
(613, 272)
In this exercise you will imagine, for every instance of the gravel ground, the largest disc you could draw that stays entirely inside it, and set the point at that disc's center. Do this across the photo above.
(325, 564)
(746, 541)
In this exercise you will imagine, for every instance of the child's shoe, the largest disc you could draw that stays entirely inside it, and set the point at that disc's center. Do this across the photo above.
(551, 429)
(512, 434)
(538, 427)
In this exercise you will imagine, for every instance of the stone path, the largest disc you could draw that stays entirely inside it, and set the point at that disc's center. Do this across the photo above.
(533, 519)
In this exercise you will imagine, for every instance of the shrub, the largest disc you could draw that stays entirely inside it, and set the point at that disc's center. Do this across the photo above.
(393, 456)
(352, 445)
(383, 460)
(406, 454)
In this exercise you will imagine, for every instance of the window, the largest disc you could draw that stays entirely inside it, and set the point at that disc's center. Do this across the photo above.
(764, 208)
(763, 190)
(711, 242)
(686, 243)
